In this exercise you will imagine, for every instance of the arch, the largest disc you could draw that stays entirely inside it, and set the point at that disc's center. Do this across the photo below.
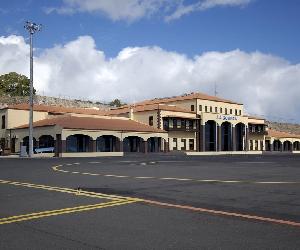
(240, 136)
(226, 136)
(210, 135)
(46, 141)
(287, 146)
(277, 146)
(107, 143)
(26, 143)
(133, 144)
(296, 146)
(154, 144)
(78, 143)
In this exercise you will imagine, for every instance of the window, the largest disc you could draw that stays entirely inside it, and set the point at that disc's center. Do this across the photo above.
(210, 109)
(221, 110)
(236, 112)
(151, 120)
(240, 112)
(200, 107)
(166, 124)
(231, 111)
(183, 123)
(206, 109)
(192, 107)
(3, 122)
(175, 123)
(216, 110)
(174, 143)
(183, 141)
(178, 123)
(225, 111)
(191, 144)
(170, 123)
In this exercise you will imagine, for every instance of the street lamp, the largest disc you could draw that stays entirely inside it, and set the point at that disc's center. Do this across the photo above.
(31, 28)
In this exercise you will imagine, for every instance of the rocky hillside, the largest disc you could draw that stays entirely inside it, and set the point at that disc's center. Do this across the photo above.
(5, 100)
(285, 127)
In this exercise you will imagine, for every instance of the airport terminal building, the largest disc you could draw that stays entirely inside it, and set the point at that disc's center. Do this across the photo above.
(194, 123)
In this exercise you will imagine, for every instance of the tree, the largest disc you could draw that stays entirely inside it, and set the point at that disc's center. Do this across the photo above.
(116, 103)
(14, 84)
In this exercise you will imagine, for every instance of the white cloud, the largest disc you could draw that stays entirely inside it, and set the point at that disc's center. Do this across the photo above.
(128, 10)
(203, 5)
(266, 84)
(131, 10)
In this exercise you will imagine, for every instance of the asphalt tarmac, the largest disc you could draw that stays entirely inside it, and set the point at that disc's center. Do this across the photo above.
(151, 202)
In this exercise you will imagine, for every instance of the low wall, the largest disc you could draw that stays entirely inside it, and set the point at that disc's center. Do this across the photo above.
(92, 154)
(226, 153)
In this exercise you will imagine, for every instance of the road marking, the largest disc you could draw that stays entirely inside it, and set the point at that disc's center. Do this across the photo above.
(224, 213)
(56, 212)
(115, 200)
(69, 191)
(57, 168)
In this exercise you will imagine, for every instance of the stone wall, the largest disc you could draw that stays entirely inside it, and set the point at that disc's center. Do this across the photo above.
(46, 100)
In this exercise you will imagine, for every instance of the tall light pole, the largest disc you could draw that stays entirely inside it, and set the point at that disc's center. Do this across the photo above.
(31, 28)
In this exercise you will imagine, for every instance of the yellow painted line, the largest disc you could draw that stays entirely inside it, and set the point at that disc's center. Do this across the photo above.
(56, 168)
(69, 191)
(32, 216)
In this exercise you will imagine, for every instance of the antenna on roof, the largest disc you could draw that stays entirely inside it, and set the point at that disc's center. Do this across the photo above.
(216, 92)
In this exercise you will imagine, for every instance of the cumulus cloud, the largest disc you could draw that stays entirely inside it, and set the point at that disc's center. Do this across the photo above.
(131, 10)
(266, 84)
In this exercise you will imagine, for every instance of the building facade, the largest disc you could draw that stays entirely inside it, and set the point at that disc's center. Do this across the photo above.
(192, 122)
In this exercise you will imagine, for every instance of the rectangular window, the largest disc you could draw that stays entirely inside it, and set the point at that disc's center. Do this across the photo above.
(151, 120)
(183, 123)
(240, 112)
(206, 109)
(200, 107)
(221, 110)
(174, 143)
(166, 124)
(192, 108)
(231, 111)
(178, 123)
(183, 141)
(210, 109)
(236, 112)
(191, 144)
(226, 111)
(216, 110)
(170, 123)
(174, 123)
(3, 122)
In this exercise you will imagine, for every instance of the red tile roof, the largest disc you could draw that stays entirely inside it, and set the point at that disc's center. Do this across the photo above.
(56, 109)
(280, 134)
(91, 123)
(191, 96)
(150, 107)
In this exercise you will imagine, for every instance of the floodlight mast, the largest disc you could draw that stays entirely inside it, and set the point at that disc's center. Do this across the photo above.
(31, 28)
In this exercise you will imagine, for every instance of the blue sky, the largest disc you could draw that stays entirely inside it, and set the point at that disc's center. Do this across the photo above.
(263, 25)
(141, 49)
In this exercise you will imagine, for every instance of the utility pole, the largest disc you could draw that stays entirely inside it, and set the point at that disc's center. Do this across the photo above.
(31, 28)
